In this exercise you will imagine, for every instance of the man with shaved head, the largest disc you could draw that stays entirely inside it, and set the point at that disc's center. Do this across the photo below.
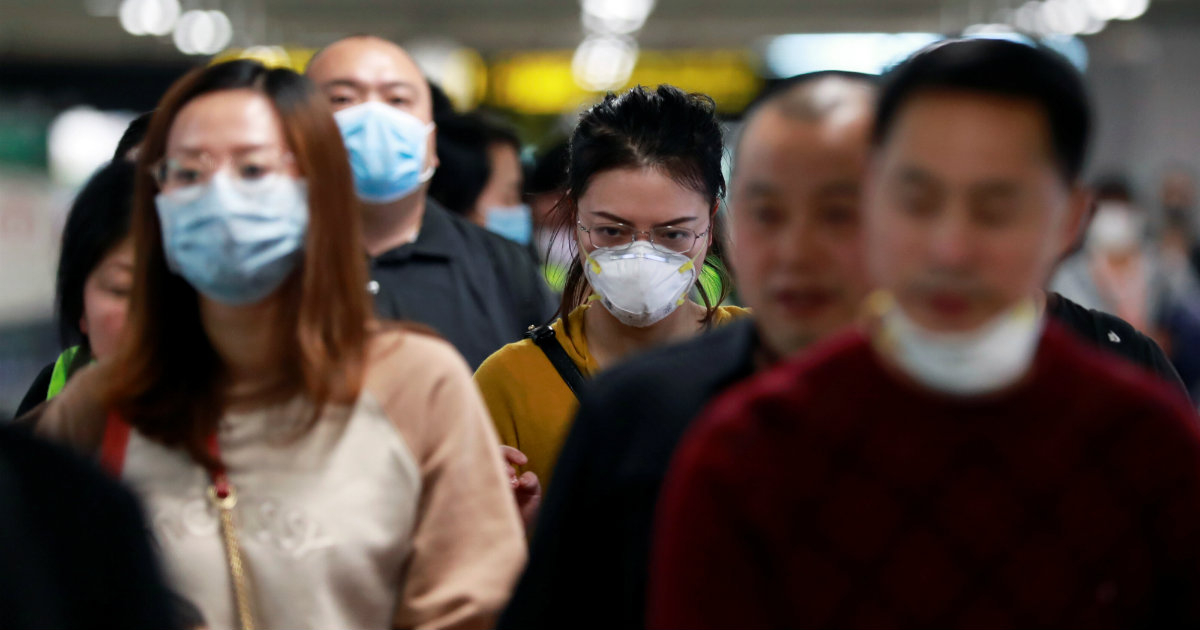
(798, 265)
(478, 290)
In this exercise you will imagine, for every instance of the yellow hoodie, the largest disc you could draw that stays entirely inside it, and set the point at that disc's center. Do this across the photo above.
(530, 404)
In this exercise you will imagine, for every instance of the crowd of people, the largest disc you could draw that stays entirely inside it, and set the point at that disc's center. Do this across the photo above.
(342, 361)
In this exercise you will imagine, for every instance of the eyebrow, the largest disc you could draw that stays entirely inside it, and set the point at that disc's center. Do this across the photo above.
(358, 85)
(613, 217)
(761, 188)
(240, 148)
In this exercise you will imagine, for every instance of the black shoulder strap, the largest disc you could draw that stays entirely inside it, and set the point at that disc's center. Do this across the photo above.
(545, 339)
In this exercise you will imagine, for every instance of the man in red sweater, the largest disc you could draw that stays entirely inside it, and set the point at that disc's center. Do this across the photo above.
(963, 462)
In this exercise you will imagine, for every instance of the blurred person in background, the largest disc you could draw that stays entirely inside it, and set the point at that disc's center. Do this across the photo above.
(797, 262)
(965, 461)
(645, 180)
(463, 166)
(1118, 225)
(1177, 204)
(302, 465)
(544, 189)
(1177, 251)
(479, 175)
(94, 269)
(500, 206)
(1115, 271)
(477, 289)
(95, 277)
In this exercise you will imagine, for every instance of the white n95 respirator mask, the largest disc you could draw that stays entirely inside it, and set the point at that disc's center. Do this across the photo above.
(638, 284)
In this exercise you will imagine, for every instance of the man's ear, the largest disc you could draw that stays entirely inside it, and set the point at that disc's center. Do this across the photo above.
(1080, 208)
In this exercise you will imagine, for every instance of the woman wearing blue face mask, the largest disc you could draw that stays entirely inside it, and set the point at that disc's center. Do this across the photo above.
(302, 465)
(644, 183)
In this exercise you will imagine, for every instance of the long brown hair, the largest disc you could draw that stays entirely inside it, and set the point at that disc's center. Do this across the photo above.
(167, 380)
(662, 128)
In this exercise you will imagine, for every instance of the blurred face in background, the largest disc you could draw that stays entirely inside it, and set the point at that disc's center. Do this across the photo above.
(795, 197)
(967, 212)
(504, 184)
(106, 299)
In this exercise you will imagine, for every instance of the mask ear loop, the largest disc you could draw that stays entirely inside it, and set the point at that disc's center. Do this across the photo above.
(427, 174)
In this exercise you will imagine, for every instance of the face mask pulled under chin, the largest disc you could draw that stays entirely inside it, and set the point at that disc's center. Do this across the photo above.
(388, 150)
(974, 363)
(640, 285)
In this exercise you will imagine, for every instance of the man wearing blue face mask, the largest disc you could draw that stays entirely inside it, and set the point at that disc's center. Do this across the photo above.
(477, 289)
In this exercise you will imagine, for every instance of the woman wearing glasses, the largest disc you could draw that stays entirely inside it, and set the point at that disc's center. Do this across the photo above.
(302, 465)
(644, 183)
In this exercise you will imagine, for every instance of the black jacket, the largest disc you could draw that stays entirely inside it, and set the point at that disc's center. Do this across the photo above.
(477, 289)
(1114, 335)
(587, 565)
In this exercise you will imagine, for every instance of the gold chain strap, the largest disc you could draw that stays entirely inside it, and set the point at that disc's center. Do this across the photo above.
(233, 551)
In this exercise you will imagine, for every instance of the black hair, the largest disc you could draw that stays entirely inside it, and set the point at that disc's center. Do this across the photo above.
(98, 222)
(549, 171)
(464, 165)
(133, 136)
(463, 168)
(497, 131)
(663, 128)
(440, 103)
(1113, 187)
(1002, 68)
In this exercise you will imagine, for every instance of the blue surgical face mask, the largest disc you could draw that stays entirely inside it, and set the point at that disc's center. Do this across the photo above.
(514, 223)
(387, 149)
(235, 242)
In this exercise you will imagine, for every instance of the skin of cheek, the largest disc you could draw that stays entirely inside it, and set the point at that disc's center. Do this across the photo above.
(104, 317)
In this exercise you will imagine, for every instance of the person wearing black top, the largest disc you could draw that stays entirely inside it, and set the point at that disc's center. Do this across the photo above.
(477, 289)
(1114, 335)
(74, 548)
(94, 277)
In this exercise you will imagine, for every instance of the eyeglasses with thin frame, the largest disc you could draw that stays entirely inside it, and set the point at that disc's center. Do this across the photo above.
(248, 168)
(667, 238)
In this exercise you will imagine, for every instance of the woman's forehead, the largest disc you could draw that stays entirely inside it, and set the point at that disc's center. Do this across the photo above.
(226, 121)
(642, 195)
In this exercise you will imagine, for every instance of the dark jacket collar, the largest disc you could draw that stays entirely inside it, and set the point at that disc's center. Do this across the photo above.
(438, 238)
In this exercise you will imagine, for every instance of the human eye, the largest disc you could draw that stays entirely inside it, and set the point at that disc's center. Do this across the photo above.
(673, 235)
(611, 231)
(253, 171)
(184, 173)
(765, 214)
(995, 214)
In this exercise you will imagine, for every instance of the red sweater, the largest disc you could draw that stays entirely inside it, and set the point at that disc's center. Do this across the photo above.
(830, 493)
